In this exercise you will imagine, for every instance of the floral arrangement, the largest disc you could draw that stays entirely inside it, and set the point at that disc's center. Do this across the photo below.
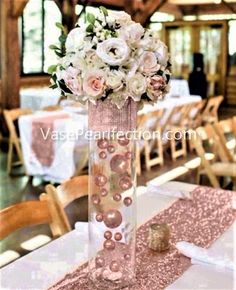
(111, 57)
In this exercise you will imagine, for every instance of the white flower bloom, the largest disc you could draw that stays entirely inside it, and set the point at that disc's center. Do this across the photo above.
(75, 39)
(162, 53)
(115, 80)
(120, 17)
(137, 86)
(113, 51)
(132, 33)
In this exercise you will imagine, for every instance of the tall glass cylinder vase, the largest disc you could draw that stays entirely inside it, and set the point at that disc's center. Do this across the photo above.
(112, 198)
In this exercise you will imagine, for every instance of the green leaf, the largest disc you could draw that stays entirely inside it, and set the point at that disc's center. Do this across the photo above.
(54, 47)
(60, 26)
(90, 18)
(52, 69)
(59, 53)
(53, 86)
(103, 10)
(89, 28)
(62, 38)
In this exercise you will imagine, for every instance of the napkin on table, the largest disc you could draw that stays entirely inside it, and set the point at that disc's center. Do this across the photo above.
(202, 256)
(164, 190)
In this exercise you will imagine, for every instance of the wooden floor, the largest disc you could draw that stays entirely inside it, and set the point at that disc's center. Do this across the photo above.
(17, 188)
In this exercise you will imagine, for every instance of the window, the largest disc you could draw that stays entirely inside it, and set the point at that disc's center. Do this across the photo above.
(38, 32)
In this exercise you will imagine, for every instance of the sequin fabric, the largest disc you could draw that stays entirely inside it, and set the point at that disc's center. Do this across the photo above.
(106, 117)
(200, 220)
(42, 143)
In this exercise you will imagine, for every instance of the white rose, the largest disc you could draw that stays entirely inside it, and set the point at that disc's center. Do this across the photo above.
(148, 63)
(137, 85)
(115, 80)
(132, 33)
(119, 17)
(113, 51)
(161, 53)
(75, 39)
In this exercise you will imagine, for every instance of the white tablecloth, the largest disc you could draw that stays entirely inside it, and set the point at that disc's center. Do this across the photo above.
(178, 88)
(38, 98)
(70, 149)
(45, 266)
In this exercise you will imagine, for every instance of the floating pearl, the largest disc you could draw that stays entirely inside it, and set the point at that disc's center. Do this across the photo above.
(103, 155)
(100, 180)
(112, 218)
(128, 155)
(118, 236)
(103, 143)
(95, 199)
(99, 217)
(100, 262)
(125, 183)
(109, 245)
(108, 235)
(114, 266)
(119, 164)
(117, 197)
(127, 256)
(127, 201)
(123, 141)
(111, 149)
(104, 192)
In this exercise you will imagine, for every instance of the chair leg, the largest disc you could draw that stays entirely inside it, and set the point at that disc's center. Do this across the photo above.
(9, 157)
(19, 152)
(147, 155)
(138, 162)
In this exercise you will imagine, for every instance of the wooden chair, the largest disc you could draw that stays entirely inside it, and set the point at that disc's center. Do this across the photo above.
(29, 213)
(212, 170)
(221, 129)
(52, 108)
(150, 122)
(66, 193)
(210, 113)
(14, 141)
(195, 114)
(176, 126)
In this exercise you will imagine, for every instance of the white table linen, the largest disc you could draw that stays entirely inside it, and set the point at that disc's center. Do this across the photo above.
(65, 148)
(38, 98)
(45, 266)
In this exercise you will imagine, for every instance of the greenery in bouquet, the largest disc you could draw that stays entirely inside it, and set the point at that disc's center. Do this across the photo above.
(111, 57)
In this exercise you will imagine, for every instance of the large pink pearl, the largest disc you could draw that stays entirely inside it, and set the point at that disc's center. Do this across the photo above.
(103, 155)
(128, 201)
(118, 236)
(99, 217)
(117, 196)
(111, 149)
(125, 183)
(119, 164)
(95, 199)
(103, 143)
(114, 266)
(104, 192)
(108, 235)
(123, 141)
(100, 262)
(100, 180)
(109, 245)
(112, 218)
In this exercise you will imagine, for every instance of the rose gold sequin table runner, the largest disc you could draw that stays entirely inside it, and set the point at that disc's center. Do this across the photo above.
(42, 143)
(200, 220)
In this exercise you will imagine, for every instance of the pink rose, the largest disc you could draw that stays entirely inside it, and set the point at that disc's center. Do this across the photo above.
(148, 63)
(156, 87)
(73, 80)
(94, 84)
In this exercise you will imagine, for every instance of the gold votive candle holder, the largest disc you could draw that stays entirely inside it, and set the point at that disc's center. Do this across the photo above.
(159, 237)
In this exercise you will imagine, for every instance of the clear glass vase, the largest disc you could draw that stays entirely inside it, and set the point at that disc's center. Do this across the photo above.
(112, 197)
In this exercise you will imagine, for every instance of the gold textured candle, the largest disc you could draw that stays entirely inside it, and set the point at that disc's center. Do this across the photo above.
(159, 236)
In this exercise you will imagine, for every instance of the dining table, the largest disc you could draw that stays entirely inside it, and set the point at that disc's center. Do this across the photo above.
(44, 267)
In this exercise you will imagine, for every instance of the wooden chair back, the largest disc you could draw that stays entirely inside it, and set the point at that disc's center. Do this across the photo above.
(195, 114)
(197, 141)
(210, 113)
(226, 127)
(29, 213)
(52, 108)
(11, 116)
(66, 193)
